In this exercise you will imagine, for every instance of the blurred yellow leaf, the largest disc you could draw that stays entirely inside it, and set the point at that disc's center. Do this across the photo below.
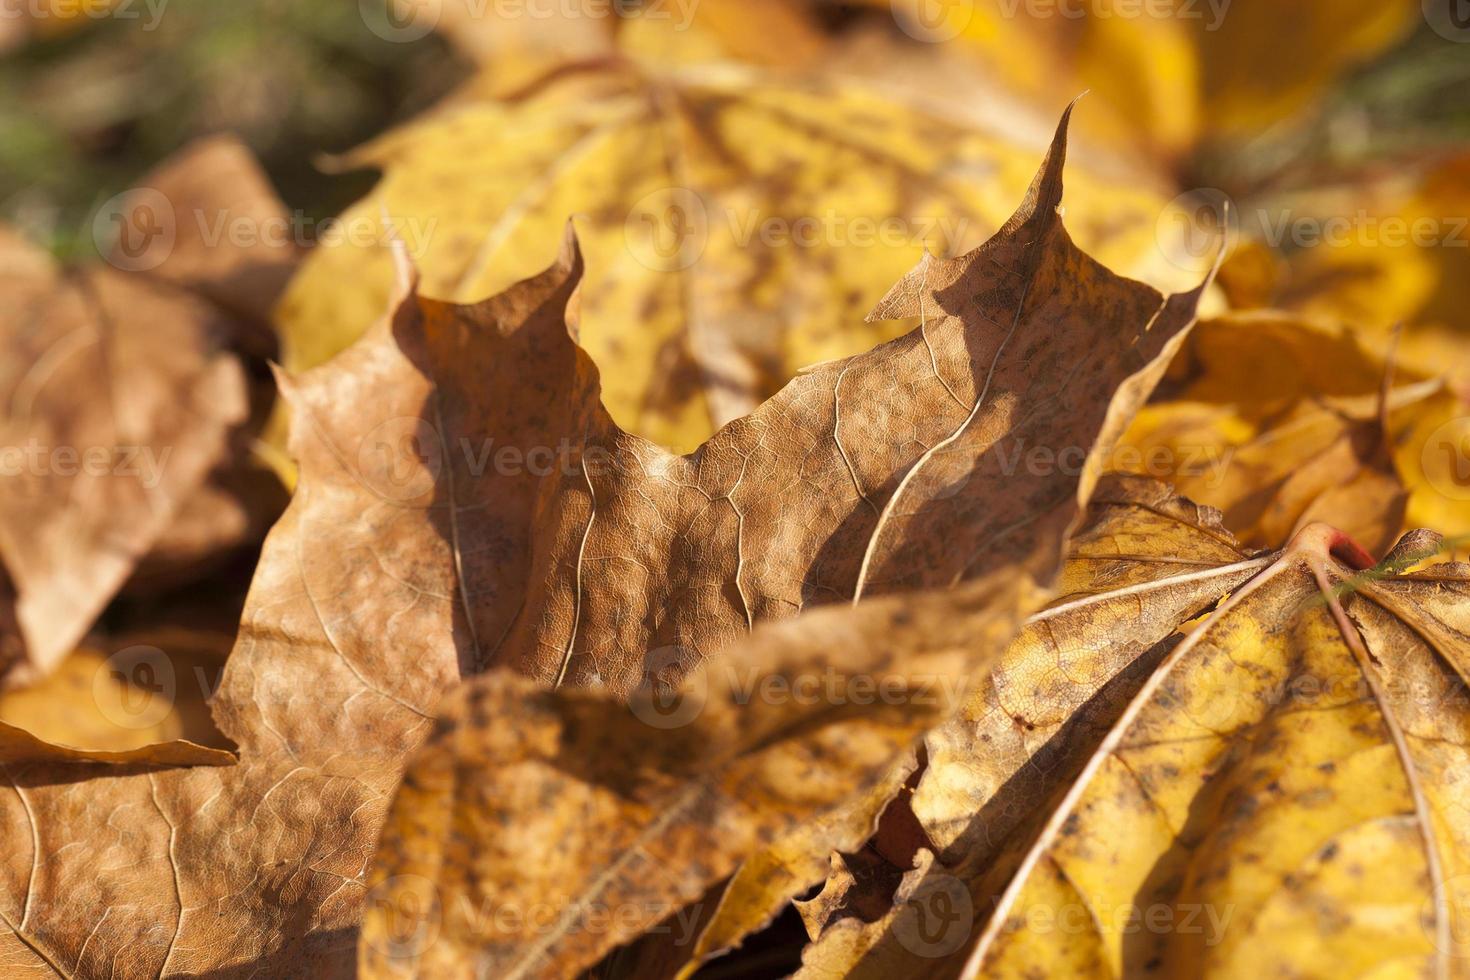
(1168, 73)
(738, 224)
(1394, 250)
(517, 41)
(1275, 419)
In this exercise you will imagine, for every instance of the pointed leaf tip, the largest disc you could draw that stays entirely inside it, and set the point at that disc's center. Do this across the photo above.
(569, 256)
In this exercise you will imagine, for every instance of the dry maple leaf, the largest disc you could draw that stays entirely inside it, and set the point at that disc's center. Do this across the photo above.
(1247, 772)
(221, 234)
(392, 574)
(120, 397)
(885, 472)
(226, 238)
(584, 547)
(117, 403)
(627, 816)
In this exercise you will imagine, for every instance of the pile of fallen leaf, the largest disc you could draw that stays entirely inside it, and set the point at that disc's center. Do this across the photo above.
(658, 597)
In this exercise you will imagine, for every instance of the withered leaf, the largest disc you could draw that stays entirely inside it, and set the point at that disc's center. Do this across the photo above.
(1117, 776)
(884, 473)
(115, 402)
(120, 393)
(590, 556)
(400, 567)
(221, 233)
(633, 812)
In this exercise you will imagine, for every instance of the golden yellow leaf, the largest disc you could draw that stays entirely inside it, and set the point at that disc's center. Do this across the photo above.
(1172, 74)
(736, 223)
(1289, 765)
(1134, 794)
(1394, 251)
(1280, 420)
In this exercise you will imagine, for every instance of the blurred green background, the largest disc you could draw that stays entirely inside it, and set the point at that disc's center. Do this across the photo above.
(91, 105)
(86, 112)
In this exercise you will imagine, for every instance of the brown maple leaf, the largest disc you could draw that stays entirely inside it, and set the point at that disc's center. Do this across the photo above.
(218, 231)
(399, 568)
(116, 404)
(582, 547)
(891, 472)
(121, 395)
